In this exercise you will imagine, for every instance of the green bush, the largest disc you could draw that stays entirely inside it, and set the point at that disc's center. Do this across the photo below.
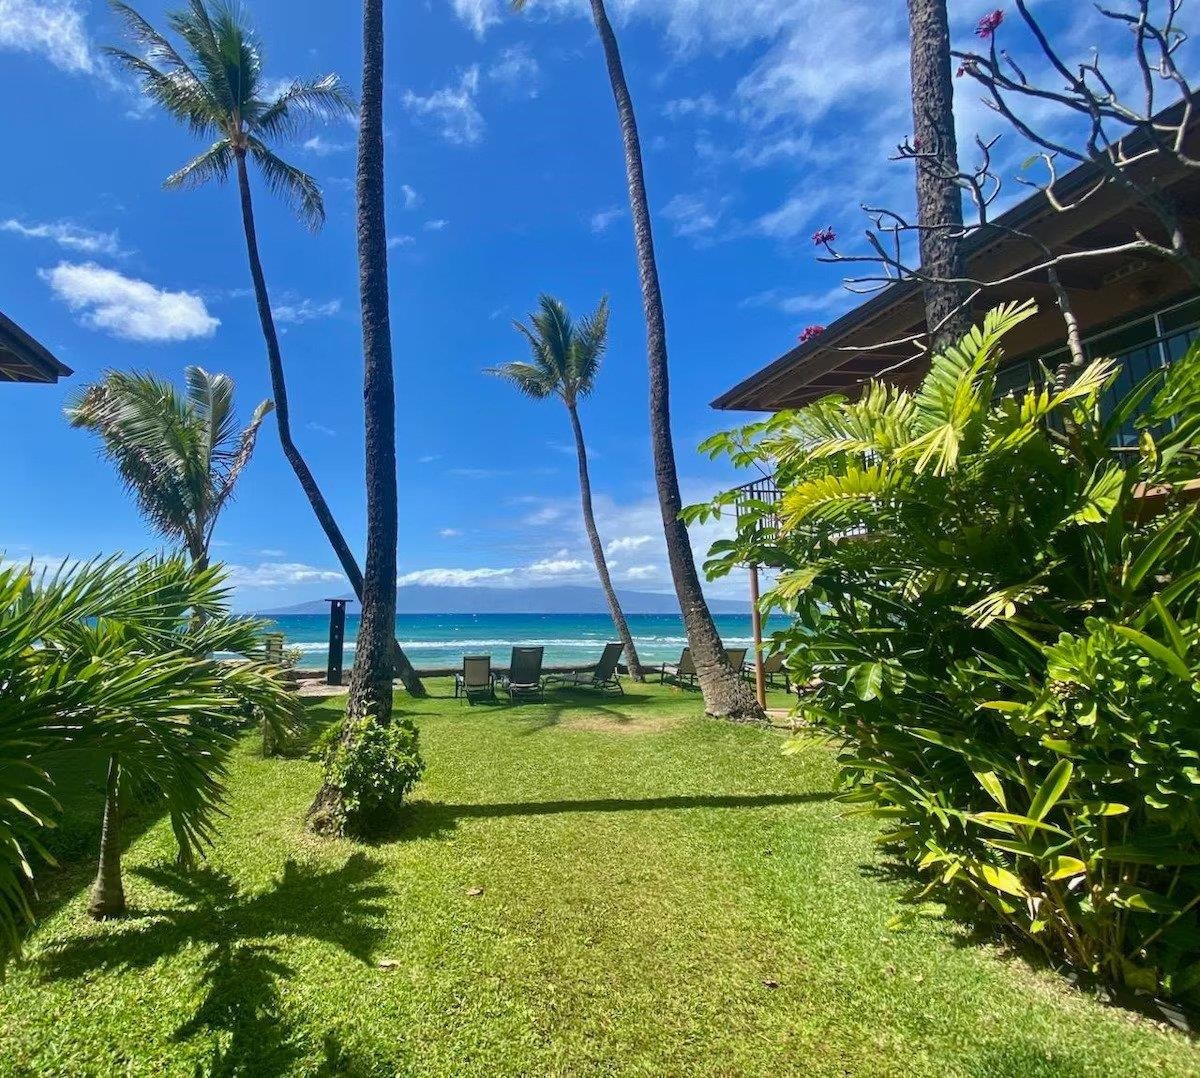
(1007, 640)
(373, 768)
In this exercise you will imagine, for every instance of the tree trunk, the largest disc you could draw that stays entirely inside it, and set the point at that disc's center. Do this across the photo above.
(283, 422)
(589, 525)
(939, 199)
(108, 894)
(725, 693)
(371, 679)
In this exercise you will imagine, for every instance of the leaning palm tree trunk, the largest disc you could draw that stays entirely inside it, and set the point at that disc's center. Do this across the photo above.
(108, 893)
(725, 694)
(589, 525)
(316, 499)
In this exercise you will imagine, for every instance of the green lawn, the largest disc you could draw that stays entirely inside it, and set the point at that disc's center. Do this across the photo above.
(595, 886)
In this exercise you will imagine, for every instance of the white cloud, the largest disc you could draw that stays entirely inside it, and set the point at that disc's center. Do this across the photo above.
(271, 553)
(601, 219)
(479, 15)
(322, 147)
(641, 572)
(277, 574)
(411, 198)
(400, 241)
(305, 310)
(320, 428)
(429, 458)
(451, 109)
(66, 234)
(449, 533)
(53, 29)
(834, 301)
(554, 567)
(628, 542)
(517, 72)
(436, 225)
(693, 217)
(453, 578)
(128, 308)
(705, 107)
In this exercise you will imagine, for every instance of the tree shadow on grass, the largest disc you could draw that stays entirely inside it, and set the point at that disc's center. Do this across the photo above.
(434, 819)
(242, 969)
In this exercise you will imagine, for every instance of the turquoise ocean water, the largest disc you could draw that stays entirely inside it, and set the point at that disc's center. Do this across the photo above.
(432, 640)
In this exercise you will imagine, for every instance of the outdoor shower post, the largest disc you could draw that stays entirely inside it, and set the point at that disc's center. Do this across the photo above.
(337, 636)
(760, 681)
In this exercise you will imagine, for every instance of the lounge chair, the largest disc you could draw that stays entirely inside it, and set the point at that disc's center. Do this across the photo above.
(736, 657)
(524, 676)
(602, 676)
(772, 668)
(476, 678)
(683, 670)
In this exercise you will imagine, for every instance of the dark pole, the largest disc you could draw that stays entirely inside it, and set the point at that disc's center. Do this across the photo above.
(337, 635)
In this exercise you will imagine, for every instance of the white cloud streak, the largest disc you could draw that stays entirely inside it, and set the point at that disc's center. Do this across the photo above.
(452, 110)
(66, 234)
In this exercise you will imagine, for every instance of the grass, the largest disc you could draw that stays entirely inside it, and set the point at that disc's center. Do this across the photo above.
(609, 886)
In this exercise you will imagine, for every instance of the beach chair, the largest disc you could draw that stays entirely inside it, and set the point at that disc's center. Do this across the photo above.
(476, 678)
(524, 674)
(772, 668)
(736, 657)
(603, 676)
(683, 670)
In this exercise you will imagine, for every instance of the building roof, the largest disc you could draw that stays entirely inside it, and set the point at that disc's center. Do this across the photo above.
(22, 359)
(876, 339)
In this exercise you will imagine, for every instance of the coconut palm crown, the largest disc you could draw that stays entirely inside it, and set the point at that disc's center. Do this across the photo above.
(180, 455)
(565, 356)
(219, 92)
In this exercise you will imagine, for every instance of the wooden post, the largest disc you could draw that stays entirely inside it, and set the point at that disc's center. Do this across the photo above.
(337, 636)
(760, 680)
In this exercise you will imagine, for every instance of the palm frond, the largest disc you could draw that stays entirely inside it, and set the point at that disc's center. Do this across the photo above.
(213, 163)
(528, 378)
(324, 98)
(179, 93)
(295, 186)
(240, 458)
(588, 347)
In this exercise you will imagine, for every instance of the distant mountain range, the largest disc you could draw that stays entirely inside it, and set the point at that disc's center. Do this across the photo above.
(568, 599)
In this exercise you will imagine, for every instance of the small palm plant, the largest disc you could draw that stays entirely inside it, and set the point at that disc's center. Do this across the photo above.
(565, 361)
(179, 455)
(107, 663)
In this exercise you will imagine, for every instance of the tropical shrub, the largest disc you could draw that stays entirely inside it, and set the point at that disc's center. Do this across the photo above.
(372, 767)
(1002, 612)
(113, 661)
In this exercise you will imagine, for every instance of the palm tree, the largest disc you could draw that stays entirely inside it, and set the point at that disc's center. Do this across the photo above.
(179, 455)
(939, 199)
(221, 94)
(113, 668)
(371, 678)
(566, 360)
(725, 693)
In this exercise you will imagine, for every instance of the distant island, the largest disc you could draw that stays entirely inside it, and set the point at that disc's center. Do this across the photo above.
(568, 599)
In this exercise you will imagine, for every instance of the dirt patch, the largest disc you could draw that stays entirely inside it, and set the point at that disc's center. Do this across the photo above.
(620, 724)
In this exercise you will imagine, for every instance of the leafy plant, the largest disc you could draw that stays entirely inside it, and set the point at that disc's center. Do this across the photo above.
(373, 767)
(110, 660)
(1002, 612)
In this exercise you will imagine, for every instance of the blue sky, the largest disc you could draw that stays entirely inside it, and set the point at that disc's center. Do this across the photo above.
(761, 122)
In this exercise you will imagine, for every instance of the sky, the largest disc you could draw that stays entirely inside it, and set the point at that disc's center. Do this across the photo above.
(762, 121)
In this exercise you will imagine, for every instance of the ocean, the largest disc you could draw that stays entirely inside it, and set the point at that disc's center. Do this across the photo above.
(435, 640)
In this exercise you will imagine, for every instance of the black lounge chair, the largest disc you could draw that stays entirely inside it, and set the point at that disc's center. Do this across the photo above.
(684, 669)
(603, 676)
(524, 674)
(736, 657)
(772, 668)
(476, 678)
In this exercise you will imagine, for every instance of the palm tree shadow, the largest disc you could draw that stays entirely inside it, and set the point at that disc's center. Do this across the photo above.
(242, 969)
(436, 819)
